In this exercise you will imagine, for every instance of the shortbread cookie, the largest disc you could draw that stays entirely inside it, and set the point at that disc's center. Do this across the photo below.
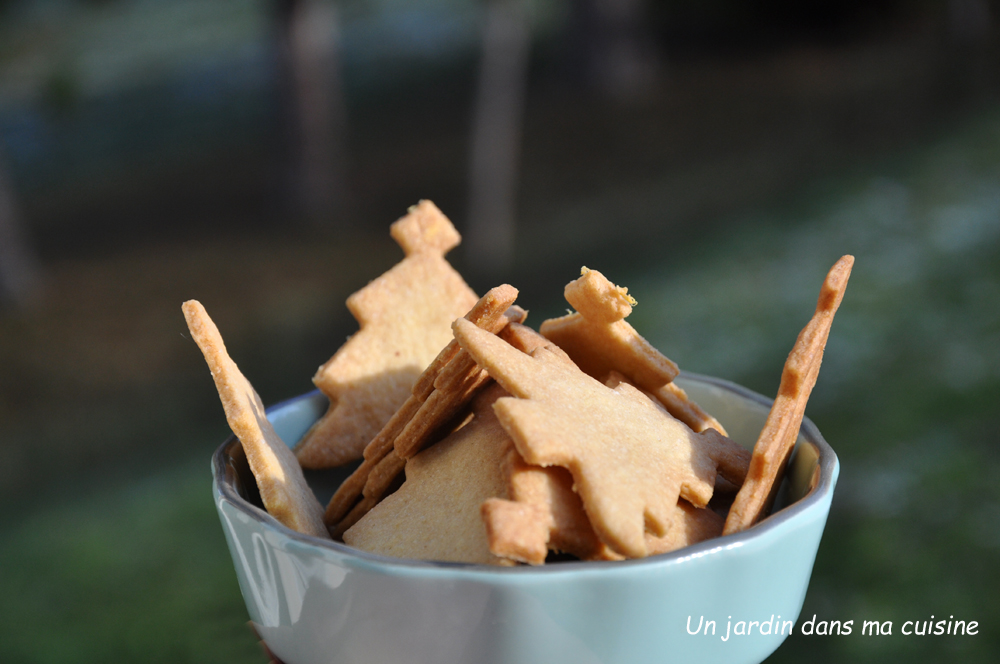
(283, 488)
(405, 317)
(444, 388)
(600, 341)
(526, 340)
(734, 458)
(781, 430)
(695, 524)
(630, 461)
(434, 515)
(678, 404)
(542, 514)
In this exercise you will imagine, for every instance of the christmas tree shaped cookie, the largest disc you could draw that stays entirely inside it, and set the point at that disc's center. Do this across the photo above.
(600, 341)
(630, 460)
(405, 319)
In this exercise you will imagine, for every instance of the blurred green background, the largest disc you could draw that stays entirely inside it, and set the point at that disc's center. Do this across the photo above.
(715, 157)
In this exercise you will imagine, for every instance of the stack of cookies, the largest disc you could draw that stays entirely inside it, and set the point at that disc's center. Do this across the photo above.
(485, 441)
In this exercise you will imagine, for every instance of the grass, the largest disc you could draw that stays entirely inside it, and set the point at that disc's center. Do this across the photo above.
(134, 573)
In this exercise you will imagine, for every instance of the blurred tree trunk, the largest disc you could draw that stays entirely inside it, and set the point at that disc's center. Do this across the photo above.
(314, 109)
(18, 265)
(496, 136)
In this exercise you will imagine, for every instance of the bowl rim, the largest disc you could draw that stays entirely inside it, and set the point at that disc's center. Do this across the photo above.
(828, 466)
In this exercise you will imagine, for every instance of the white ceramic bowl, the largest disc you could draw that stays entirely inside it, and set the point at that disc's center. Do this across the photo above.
(315, 601)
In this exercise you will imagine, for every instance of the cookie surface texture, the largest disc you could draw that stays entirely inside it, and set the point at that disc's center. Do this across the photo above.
(694, 525)
(283, 488)
(405, 317)
(733, 460)
(542, 514)
(629, 459)
(781, 429)
(434, 515)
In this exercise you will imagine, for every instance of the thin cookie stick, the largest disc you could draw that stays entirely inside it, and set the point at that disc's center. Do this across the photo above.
(781, 430)
(378, 482)
(283, 488)
(351, 488)
(458, 380)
